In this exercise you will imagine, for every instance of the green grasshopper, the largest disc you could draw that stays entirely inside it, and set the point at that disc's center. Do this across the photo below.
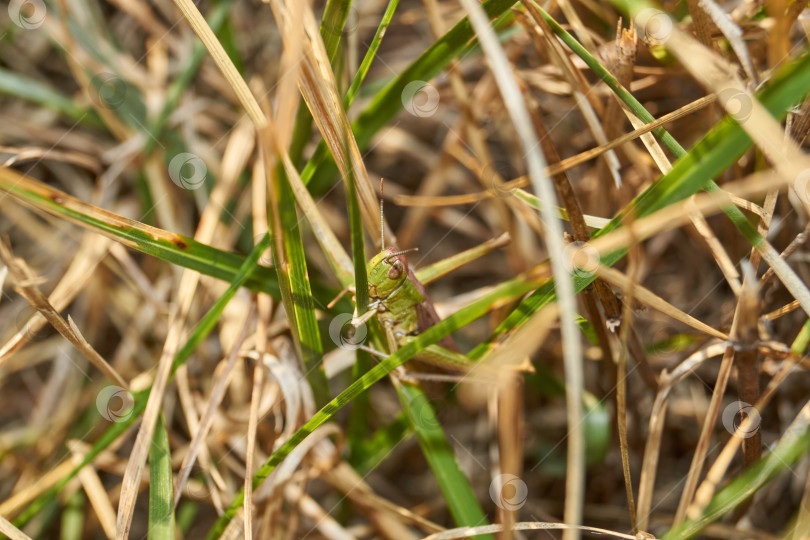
(402, 306)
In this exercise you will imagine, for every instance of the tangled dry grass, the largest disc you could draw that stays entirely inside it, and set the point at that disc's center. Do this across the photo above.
(610, 202)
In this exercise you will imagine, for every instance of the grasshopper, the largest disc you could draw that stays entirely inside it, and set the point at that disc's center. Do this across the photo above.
(402, 306)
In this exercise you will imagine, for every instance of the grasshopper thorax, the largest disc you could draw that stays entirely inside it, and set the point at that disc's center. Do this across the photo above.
(386, 271)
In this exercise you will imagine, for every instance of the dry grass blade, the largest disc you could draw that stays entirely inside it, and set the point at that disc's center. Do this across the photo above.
(732, 32)
(465, 532)
(720, 255)
(319, 89)
(98, 497)
(89, 254)
(130, 486)
(214, 400)
(572, 349)
(7, 528)
(509, 358)
(223, 62)
(616, 278)
(24, 282)
(13, 504)
(652, 448)
(750, 424)
(562, 166)
(746, 336)
(720, 77)
(22, 155)
(391, 519)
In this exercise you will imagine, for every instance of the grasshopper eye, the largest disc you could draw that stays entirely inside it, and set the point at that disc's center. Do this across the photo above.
(396, 270)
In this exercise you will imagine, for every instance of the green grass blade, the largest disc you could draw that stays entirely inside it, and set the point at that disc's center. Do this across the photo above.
(509, 290)
(296, 292)
(358, 418)
(362, 71)
(161, 494)
(170, 247)
(178, 87)
(388, 101)
(718, 150)
(376, 448)
(456, 488)
(19, 86)
(794, 444)
(72, 523)
(200, 332)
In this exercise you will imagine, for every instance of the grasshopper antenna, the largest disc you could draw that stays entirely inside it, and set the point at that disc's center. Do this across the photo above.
(401, 252)
(382, 219)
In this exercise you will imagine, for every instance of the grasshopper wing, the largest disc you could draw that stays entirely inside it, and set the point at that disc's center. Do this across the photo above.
(426, 315)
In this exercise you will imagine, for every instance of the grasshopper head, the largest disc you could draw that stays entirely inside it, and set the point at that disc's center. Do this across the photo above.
(386, 271)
